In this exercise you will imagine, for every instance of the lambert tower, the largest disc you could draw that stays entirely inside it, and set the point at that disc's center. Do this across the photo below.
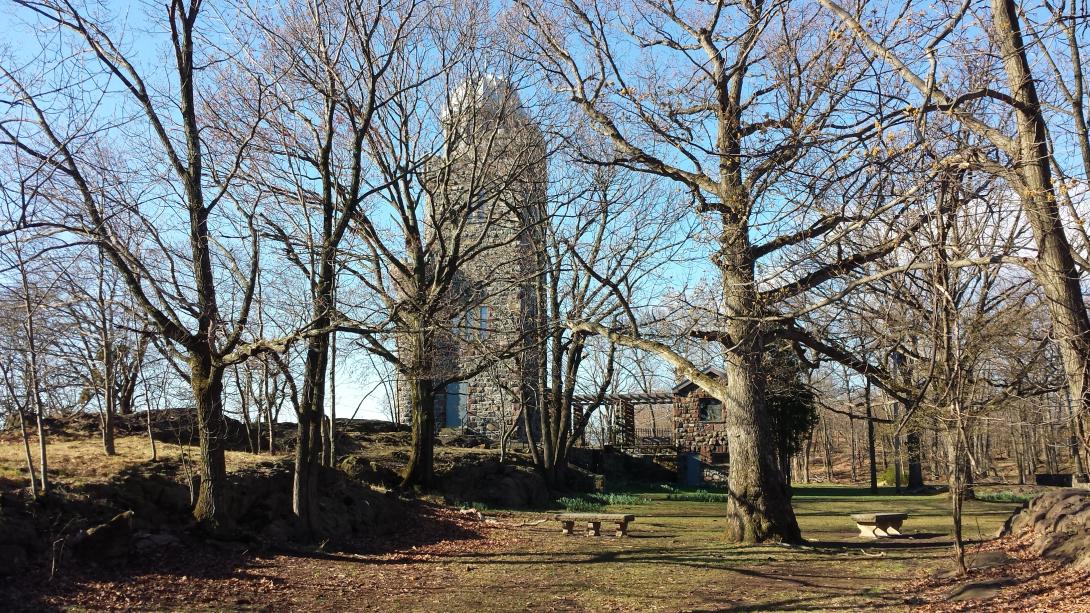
(486, 204)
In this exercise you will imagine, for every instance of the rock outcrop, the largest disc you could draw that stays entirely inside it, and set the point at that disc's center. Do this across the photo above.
(505, 486)
(1059, 522)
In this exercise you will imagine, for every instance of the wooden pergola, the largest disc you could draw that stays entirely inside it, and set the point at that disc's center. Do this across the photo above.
(625, 405)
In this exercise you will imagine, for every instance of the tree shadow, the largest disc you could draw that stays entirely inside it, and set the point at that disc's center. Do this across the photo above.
(841, 492)
(195, 559)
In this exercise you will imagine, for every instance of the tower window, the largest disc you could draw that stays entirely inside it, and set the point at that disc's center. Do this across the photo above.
(484, 315)
(474, 323)
(463, 326)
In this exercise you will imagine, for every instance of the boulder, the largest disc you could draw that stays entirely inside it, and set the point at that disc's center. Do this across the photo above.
(18, 531)
(153, 492)
(278, 531)
(980, 560)
(364, 470)
(260, 498)
(144, 542)
(465, 440)
(978, 590)
(370, 426)
(987, 559)
(107, 541)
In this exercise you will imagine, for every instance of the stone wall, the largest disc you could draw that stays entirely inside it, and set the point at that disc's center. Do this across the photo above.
(693, 435)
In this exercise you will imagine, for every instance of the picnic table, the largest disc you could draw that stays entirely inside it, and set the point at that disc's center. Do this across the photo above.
(594, 522)
(877, 525)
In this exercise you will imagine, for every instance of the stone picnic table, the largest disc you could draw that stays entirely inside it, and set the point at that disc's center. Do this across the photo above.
(594, 522)
(878, 525)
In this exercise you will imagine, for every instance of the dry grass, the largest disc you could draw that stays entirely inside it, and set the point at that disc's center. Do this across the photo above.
(79, 461)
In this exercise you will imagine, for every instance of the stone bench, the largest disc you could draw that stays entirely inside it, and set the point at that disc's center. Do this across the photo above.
(594, 522)
(875, 525)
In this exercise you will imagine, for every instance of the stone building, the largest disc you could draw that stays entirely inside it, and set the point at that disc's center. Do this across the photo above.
(685, 424)
(487, 194)
(700, 433)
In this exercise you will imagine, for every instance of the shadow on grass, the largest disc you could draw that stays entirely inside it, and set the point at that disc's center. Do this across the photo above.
(842, 492)
(817, 577)
(733, 559)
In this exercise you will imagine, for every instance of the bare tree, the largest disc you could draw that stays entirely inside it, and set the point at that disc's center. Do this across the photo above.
(190, 167)
(609, 233)
(106, 341)
(32, 292)
(330, 62)
(459, 166)
(1024, 162)
(756, 120)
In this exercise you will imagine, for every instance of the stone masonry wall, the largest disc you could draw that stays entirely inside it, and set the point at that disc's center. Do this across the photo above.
(707, 439)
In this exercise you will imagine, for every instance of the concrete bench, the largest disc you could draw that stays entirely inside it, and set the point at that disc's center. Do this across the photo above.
(594, 522)
(875, 525)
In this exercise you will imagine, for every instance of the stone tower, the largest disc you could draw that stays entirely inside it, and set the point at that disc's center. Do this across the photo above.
(488, 191)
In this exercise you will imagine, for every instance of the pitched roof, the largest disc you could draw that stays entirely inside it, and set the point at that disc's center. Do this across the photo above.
(687, 386)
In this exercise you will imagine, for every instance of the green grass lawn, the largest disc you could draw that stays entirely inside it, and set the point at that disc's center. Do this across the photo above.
(677, 560)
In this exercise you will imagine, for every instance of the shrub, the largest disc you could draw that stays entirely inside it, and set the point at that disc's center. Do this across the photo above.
(1004, 496)
(698, 496)
(597, 501)
(619, 499)
(579, 504)
(886, 477)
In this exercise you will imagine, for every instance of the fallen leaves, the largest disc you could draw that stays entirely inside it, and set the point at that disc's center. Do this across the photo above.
(1040, 585)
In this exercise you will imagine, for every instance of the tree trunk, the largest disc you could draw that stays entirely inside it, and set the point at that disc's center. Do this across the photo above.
(957, 493)
(828, 452)
(244, 410)
(853, 453)
(308, 449)
(109, 389)
(271, 430)
(759, 506)
(151, 438)
(108, 445)
(870, 441)
(270, 392)
(29, 458)
(915, 465)
(419, 471)
(807, 451)
(1055, 270)
(331, 440)
(1019, 455)
(759, 503)
(895, 444)
(207, 383)
(43, 456)
(109, 362)
(1073, 440)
